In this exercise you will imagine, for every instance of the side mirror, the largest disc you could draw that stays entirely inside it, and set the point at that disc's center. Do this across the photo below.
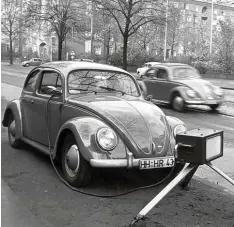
(53, 91)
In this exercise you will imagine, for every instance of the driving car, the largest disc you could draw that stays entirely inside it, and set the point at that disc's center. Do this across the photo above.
(141, 71)
(32, 62)
(179, 85)
(89, 115)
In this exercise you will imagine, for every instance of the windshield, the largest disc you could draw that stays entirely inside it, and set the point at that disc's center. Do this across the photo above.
(96, 81)
(185, 73)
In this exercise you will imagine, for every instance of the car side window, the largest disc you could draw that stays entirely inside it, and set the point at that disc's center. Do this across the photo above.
(162, 74)
(50, 79)
(151, 73)
(30, 84)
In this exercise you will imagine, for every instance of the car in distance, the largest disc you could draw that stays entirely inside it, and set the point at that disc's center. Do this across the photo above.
(32, 62)
(141, 71)
(179, 85)
(95, 116)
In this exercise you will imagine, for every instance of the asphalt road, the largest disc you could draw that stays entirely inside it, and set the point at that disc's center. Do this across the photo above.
(31, 177)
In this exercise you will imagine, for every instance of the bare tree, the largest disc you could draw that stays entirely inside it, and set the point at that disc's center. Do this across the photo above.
(224, 45)
(11, 22)
(129, 16)
(61, 15)
(174, 24)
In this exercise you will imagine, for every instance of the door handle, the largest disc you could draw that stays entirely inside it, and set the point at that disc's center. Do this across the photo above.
(32, 101)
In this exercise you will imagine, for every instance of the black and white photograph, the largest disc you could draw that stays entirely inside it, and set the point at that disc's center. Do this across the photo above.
(117, 113)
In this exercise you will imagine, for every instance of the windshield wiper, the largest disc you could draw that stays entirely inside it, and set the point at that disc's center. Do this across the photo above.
(86, 91)
(112, 89)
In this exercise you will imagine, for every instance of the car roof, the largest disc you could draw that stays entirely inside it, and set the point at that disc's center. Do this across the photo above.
(67, 66)
(173, 65)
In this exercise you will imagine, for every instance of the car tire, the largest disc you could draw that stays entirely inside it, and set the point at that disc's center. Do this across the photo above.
(214, 107)
(27, 65)
(14, 143)
(78, 172)
(178, 103)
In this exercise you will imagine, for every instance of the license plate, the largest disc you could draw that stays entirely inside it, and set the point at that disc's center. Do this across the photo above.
(157, 163)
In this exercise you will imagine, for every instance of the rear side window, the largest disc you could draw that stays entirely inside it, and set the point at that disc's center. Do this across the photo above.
(30, 84)
(50, 79)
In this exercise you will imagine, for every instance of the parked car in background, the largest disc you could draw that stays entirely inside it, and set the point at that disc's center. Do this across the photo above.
(179, 85)
(97, 117)
(141, 71)
(32, 62)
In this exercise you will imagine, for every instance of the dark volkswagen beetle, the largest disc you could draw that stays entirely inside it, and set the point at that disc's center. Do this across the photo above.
(179, 85)
(95, 115)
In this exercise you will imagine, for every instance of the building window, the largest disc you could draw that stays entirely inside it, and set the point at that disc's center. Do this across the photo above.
(196, 8)
(189, 18)
(196, 20)
(215, 11)
(176, 4)
(204, 22)
(204, 9)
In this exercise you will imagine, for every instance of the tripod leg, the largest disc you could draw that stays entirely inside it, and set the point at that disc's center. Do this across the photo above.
(185, 182)
(220, 173)
(165, 191)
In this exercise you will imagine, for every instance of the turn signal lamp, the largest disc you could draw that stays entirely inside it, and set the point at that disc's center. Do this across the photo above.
(199, 146)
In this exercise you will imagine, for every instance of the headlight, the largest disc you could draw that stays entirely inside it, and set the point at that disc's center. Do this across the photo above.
(218, 91)
(179, 129)
(107, 139)
(191, 93)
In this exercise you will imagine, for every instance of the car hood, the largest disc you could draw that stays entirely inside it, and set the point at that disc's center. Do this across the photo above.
(24, 62)
(144, 122)
(202, 87)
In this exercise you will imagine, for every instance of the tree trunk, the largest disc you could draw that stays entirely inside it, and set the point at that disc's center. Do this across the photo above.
(60, 48)
(125, 49)
(11, 49)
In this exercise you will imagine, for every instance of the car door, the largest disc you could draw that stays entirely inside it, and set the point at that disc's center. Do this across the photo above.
(27, 101)
(164, 85)
(158, 84)
(149, 81)
(37, 61)
(41, 113)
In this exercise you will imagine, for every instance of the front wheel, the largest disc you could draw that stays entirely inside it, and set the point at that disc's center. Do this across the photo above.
(178, 103)
(77, 171)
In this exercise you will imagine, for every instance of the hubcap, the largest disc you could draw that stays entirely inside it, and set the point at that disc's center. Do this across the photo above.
(11, 131)
(178, 103)
(72, 161)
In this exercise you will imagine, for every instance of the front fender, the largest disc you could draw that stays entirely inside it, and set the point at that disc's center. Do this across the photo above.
(173, 122)
(84, 130)
(13, 107)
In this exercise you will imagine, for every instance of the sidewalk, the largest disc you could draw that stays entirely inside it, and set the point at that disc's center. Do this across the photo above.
(14, 212)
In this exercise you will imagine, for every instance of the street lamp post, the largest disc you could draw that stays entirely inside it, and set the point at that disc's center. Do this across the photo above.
(211, 26)
(165, 37)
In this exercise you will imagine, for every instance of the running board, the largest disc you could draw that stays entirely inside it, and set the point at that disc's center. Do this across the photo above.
(36, 145)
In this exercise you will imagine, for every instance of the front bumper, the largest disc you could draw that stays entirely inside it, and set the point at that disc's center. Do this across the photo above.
(129, 162)
(203, 102)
